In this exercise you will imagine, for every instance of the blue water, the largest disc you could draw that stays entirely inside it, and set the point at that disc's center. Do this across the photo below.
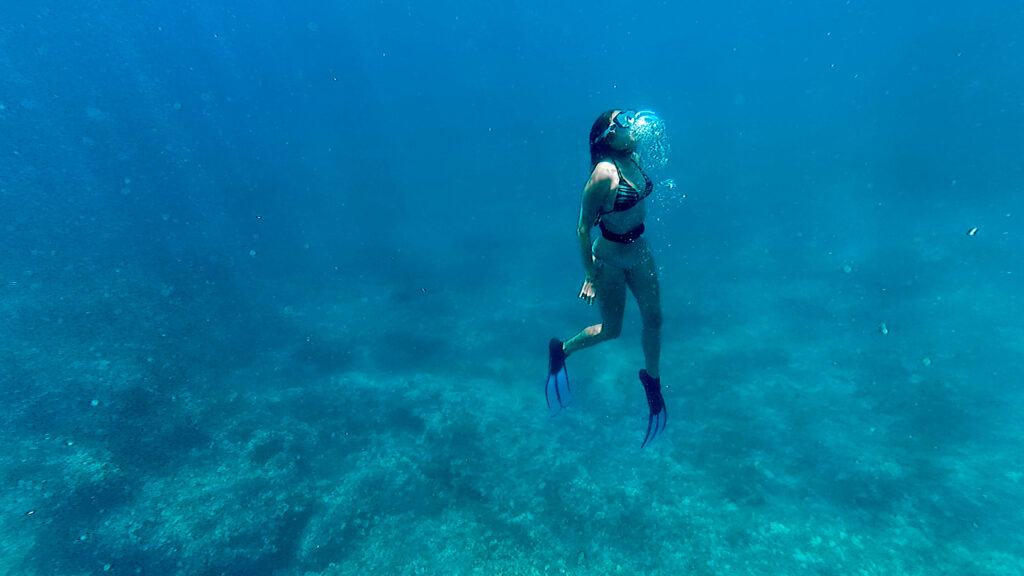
(278, 281)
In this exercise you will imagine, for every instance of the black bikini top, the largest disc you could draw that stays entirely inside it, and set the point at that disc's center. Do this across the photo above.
(626, 195)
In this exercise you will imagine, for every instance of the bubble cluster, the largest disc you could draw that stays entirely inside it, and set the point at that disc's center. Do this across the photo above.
(651, 137)
(653, 150)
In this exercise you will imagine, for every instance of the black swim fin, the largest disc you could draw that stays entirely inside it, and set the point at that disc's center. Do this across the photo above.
(659, 416)
(557, 388)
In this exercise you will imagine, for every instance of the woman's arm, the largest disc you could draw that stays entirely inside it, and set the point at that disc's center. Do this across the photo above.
(594, 194)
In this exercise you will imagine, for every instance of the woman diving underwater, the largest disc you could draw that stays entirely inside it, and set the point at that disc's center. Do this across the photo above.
(614, 200)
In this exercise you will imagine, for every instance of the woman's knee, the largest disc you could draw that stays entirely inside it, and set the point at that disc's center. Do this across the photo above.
(652, 319)
(605, 331)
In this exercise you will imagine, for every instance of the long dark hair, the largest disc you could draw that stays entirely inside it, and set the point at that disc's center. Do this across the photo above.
(599, 148)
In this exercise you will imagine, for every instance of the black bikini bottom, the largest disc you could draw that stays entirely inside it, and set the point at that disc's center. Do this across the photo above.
(627, 238)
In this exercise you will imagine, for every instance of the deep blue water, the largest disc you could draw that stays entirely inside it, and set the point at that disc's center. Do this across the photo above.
(278, 281)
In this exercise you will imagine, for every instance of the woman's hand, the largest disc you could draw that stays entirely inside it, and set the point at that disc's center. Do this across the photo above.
(587, 292)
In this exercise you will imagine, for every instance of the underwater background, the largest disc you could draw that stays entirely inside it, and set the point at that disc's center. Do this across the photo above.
(278, 281)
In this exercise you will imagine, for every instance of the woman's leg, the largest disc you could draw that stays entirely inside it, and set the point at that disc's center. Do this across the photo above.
(610, 286)
(643, 282)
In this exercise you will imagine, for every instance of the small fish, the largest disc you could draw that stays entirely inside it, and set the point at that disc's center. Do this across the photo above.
(972, 231)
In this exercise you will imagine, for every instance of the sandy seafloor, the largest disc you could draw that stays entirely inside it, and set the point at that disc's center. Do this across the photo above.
(354, 424)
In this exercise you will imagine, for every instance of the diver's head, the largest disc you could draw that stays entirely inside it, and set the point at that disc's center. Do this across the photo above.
(620, 133)
(610, 135)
